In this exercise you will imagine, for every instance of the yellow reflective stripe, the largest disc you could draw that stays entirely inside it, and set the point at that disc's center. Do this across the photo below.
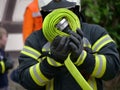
(81, 58)
(31, 49)
(34, 78)
(43, 49)
(37, 75)
(50, 85)
(86, 43)
(92, 83)
(100, 66)
(100, 43)
(40, 73)
(53, 62)
(3, 66)
(30, 52)
(96, 67)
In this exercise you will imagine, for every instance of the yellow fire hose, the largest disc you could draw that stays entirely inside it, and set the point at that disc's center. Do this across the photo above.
(50, 31)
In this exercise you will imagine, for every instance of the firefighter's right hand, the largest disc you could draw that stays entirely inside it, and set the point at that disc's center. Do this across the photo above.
(76, 44)
(60, 49)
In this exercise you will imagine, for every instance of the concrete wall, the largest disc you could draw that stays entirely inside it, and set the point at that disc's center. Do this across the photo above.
(14, 43)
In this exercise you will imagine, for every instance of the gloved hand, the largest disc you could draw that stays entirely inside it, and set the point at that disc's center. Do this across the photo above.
(9, 64)
(60, 49)
(76, 44)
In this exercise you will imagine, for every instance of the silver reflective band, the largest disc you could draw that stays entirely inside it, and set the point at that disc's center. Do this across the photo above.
(100, 65)
(86, 42)
(36, 75)
(102, 42)
(31, 52)
(36, 14)
(46, 47)
(53, 62)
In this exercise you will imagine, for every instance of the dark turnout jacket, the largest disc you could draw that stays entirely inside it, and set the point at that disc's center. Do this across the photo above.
(3, 72)
(100, 62)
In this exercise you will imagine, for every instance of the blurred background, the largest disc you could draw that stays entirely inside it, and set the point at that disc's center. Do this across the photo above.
(103, 12)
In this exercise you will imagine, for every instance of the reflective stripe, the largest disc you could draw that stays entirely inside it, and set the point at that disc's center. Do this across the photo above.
(100, 43)
(92, 83)
(37, 75)
(81, 58)
(30, 52)
(46, 47)
(100, 66)
(36, 14)
(50, 85)
(53, 62)
(2, 66)
(86, 43)
(84, 53)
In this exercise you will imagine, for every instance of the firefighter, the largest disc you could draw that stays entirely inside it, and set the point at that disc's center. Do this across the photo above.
(32, 19)
(93, 52)
(5, 62)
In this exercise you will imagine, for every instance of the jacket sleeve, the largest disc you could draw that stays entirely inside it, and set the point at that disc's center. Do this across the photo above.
(101, 60)
(33, 73)
(27, 24)
(6, 63)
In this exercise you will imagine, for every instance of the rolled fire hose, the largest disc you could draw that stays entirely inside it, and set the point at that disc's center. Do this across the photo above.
(50, 32)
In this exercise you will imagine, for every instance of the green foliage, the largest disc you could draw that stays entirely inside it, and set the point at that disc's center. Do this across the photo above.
(105, 13)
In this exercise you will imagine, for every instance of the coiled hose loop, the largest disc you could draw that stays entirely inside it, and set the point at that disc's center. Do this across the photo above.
(50, 32)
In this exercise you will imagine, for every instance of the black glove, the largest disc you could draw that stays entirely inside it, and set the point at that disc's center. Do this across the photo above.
(76, 44)
(8, 62)
(60, 49)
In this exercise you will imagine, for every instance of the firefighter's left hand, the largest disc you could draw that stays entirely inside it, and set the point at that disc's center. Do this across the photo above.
(76, 44)
(9, 64)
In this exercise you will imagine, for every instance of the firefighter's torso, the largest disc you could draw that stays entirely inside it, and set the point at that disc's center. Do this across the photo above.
(63, 80)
